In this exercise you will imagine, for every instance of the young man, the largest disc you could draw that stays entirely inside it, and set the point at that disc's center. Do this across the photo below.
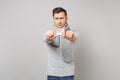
(59, 40)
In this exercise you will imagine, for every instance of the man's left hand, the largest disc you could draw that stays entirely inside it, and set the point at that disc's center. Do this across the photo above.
(69, 35)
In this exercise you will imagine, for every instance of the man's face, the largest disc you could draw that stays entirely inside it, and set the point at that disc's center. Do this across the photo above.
(60, 19)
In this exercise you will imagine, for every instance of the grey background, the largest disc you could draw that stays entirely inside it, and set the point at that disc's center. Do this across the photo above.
(23, 53)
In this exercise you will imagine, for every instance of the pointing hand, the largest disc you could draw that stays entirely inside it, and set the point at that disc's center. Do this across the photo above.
(68, 34)
(50, 35)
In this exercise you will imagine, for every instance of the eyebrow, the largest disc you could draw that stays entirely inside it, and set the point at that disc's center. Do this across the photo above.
(59, 18)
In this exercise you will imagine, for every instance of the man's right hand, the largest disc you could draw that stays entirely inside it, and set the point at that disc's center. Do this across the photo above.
(50, 35)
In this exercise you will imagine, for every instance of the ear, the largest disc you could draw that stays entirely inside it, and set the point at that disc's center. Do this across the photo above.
(66, 18)
(53, 18)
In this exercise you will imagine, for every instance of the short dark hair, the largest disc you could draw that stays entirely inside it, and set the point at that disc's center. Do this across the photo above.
(58, 10)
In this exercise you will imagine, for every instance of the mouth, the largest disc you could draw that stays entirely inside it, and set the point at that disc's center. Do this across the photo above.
(60, 24)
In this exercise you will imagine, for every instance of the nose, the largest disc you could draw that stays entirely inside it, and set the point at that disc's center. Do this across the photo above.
(59, 20)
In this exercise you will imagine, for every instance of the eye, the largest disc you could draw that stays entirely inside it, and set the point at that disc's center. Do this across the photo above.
(56, 18)
(61, 18)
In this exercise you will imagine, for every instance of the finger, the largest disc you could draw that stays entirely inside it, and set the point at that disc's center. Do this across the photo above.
(67, 34)
(47, 36)
(64, 31)
(52, 33)
(52, 37)
(48, 33)
(71, 33)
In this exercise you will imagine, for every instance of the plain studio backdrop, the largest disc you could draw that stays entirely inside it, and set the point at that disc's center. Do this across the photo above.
(23, 52)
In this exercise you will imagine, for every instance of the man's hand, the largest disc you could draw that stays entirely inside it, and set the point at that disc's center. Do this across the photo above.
(50, 35)
(69, 35)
